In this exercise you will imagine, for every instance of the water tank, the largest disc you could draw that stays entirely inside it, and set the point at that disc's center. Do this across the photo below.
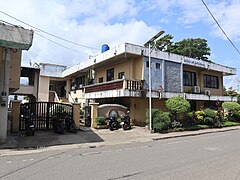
(105, 47)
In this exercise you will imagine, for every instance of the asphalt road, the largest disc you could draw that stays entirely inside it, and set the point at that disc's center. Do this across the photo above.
(209, 156)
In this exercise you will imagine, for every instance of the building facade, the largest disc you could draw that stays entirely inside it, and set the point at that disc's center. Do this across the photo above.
(121, 76)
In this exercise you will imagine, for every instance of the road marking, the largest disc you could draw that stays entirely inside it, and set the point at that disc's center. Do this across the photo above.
(9, 162)
(24, 160)
(31, 159)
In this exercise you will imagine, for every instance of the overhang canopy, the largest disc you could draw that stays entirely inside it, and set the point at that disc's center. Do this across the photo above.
(15, 37)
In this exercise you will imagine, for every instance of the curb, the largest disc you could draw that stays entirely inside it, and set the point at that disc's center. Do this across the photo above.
(194, 134)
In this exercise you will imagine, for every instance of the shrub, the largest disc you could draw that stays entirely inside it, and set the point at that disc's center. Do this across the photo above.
(210, 113)
(232, 109)
(155, 113)
(209, 121)
(191, 119)
(200, 117)
(231, 106)
(162, 123)
(178, 106)
(100, 120)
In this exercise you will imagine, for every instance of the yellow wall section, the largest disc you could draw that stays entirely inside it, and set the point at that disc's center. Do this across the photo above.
(132, 68)
(43, 92)
(15, 69)
(199, 74)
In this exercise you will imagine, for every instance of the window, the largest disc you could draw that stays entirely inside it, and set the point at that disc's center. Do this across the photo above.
(110, 74)
(121, 75)
(189, 78)
(210, 81)
(100, 80)
(80, 82)
(158, 66)
(147, 63)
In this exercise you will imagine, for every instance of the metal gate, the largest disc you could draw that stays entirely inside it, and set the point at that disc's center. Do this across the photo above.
(41, 113)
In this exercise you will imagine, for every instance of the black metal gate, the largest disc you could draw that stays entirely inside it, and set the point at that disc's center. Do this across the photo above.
(42, 112)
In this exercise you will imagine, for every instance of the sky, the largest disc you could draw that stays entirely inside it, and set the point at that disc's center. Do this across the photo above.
(92, 23)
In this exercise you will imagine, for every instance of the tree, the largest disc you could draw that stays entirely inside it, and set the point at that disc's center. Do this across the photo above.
(193, 48)
(164, 42)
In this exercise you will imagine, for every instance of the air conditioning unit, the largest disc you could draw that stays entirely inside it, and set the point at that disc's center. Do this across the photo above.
(207, 92)
(196, 89)
(80, 86)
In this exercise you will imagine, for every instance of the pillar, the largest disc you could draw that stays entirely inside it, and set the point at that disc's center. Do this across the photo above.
(76, 113)
(94, 113)
(68, 89)
(15, 116)
(4, 91)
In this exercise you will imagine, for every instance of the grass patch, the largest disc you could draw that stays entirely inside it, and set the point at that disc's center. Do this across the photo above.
(229, 123)
(196, 127)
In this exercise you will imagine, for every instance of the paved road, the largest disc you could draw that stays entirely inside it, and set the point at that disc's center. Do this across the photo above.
(209, 156)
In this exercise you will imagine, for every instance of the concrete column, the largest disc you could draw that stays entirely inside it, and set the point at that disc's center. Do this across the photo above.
(68, 89)
(15, 116)
(4, 91)
(94, 113)
(76, 113)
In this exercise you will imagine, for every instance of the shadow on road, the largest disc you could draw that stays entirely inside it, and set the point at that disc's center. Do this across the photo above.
(49, 138)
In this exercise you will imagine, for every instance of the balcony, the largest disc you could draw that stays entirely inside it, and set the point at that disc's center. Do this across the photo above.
(191, 96)
(116, 88)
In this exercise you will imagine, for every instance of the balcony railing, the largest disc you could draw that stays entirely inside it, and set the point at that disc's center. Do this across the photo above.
(116, 84)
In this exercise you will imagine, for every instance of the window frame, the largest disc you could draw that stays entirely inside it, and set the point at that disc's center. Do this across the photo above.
(121, 75)
(191, 80)
(100, 80)
(110, 74)
(158, 65)
(210, 81)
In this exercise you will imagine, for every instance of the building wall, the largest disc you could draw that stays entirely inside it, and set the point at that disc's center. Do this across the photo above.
(157, 79)
(199, 73)
(172, 79)
(15, 69)
(43, 92)
(132, 68)
(138, 107)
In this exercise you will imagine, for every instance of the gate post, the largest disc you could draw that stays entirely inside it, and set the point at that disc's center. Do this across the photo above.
(94, 113)
(15, 116)
(76, 113)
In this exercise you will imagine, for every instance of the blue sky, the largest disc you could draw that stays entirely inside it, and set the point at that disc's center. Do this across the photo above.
(96, 22)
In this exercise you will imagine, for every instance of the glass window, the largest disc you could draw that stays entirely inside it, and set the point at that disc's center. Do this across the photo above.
(158, 66)
(121, 75)
(80, 82)
(147, 63)
(189, 78)
(210, 81)
(110, 74)
(100, 80)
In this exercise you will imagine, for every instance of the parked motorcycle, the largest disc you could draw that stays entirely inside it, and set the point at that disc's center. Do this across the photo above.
(29, 126)
(70, 125)
(58, 126)
(113, 123)
(126, 122)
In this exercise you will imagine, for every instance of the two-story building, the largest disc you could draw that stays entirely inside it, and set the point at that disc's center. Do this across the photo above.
(120, 75)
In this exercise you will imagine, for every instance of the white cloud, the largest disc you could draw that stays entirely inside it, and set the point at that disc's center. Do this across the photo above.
(90, 23)
(95, 22)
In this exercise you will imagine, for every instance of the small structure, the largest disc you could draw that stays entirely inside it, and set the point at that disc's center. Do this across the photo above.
(13, 39)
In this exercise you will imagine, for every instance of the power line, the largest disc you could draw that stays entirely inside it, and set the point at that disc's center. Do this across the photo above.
(57, 43)
(220, 27)
(48, 32)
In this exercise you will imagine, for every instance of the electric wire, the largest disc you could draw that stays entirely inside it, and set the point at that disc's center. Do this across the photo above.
(220, 27)
(63, 39)
(57, 43)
